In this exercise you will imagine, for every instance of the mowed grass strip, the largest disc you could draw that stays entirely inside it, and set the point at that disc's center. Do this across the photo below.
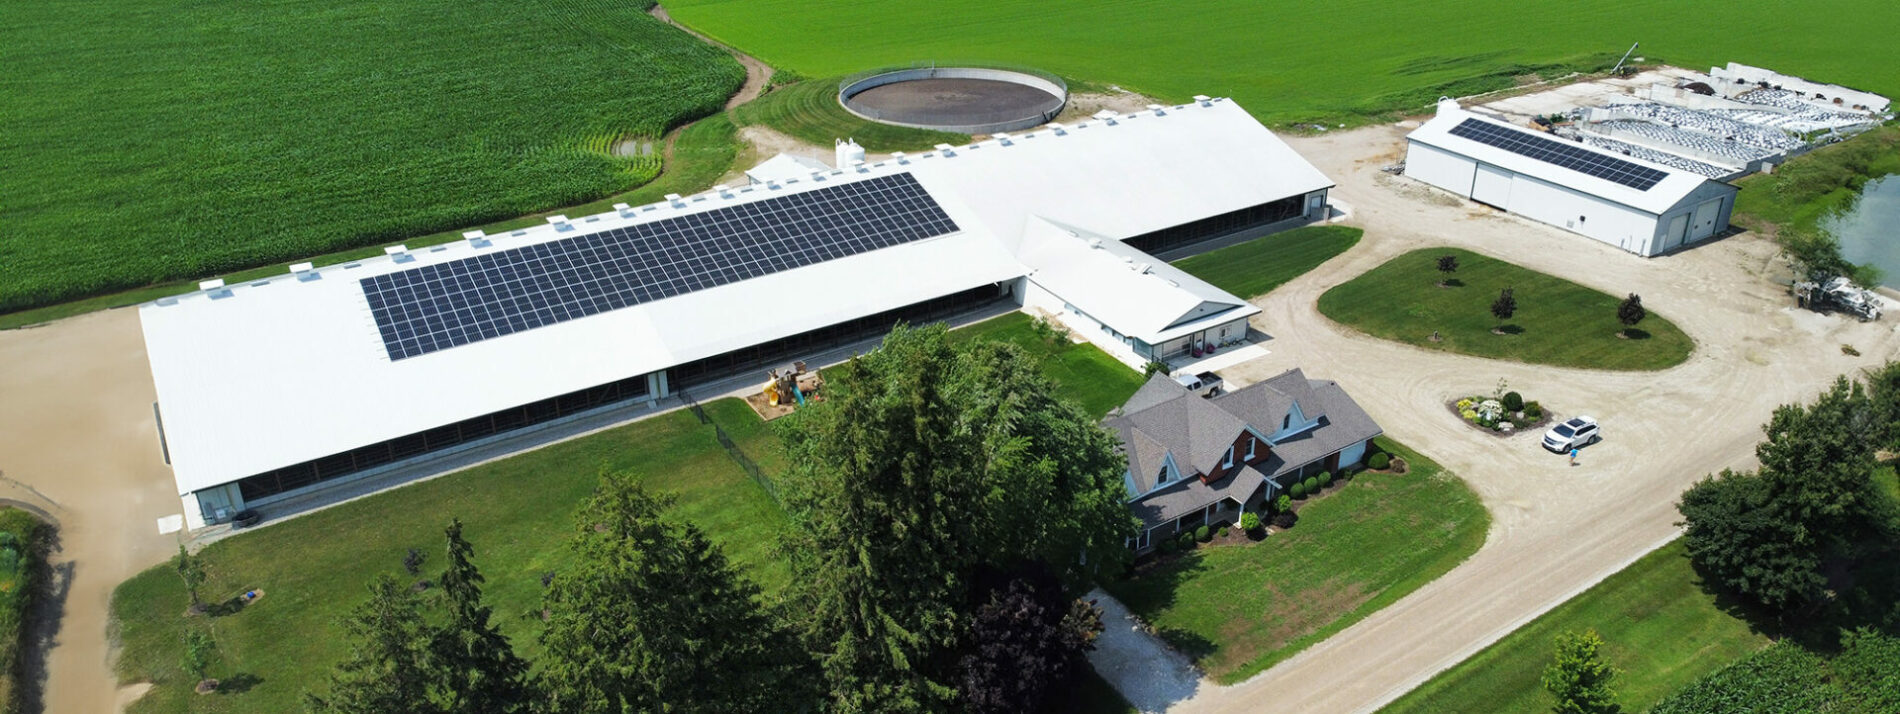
(517, 513)
(1082, 372)
(1256, 267)
(149, 141)
(1661, 632)
(1557, 322)
(1238, 610)
(1287, 62)
(809, 111)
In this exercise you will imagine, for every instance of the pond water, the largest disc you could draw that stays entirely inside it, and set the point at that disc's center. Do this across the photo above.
(1869, 230)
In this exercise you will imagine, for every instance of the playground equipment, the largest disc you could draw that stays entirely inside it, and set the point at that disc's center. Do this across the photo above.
(792, 384)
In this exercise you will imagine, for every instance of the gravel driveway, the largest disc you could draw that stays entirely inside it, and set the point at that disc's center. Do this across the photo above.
(1148, 674)
(1556, 530)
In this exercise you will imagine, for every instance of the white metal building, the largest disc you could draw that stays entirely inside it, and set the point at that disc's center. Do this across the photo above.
(1642, 207)
(273, 388)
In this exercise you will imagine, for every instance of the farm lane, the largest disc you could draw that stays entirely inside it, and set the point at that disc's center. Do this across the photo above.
(78, 440)
(1556, 530)
(757, 74)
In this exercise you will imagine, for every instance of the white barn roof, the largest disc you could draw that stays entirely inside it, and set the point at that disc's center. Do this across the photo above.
(267, 374)
(1675, 185)
(1123, 287)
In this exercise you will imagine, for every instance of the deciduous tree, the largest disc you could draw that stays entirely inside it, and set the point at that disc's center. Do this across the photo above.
(1505, 306)
(1447, 264)
(651, 617)
(191, 569)
(1579, 677)
(1027, 641)
(1630, 312)
(1740, 537)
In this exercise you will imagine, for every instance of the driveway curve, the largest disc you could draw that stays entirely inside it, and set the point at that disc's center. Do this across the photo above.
(1556, 529)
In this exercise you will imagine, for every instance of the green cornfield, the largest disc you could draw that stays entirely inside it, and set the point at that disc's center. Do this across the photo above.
(145, 141)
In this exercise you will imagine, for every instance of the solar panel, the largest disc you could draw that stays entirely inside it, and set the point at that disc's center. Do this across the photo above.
(435, 307)
(1551, 151)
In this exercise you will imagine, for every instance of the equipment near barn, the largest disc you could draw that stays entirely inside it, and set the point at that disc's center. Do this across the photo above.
(1838, 294)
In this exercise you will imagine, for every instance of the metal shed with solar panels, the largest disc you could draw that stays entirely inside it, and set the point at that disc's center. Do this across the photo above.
(1639, 206)
(274, 392)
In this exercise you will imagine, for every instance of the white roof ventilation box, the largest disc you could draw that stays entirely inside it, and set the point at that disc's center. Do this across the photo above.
(398, 253)
(560, 223)
(899, 156)
(723, 190)
(1107, 115)
(673, 199)
(1204, 100)
(1003, 137)
(946, 150)
(1157, 109)
(305, 272)
(477, 239)
(625, 210)
(215, 288)
(1059, 128)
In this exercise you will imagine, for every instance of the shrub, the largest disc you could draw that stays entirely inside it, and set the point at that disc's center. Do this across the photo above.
(1223, 532)
(1283, 504)
(1325, 479)
(1513, 402)
(1285, 520)
(1203, 534)
(1298, 489)
(1469, 415)
(1312, 484)
(1533, 411)
(1168, 546)
(1380, 461)
(1185, 540)
(1154, 367)
(1250, 522)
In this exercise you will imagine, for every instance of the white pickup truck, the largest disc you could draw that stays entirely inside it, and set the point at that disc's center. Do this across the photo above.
(1206, 384)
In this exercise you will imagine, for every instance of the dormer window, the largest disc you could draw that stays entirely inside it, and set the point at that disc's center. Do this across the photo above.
(1163, 476)
(1228, 463)
(1251, 444)
(1286, 422)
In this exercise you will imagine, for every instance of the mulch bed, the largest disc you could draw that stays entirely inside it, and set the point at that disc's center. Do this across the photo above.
(1531, 428)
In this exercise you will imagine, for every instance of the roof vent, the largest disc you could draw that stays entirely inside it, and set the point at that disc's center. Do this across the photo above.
(723, 190)
(1095, 243)
(560, 223)
(1004, 138)
(215, 287)
(1059, 128)
(476, 238)
(674, 198)
(1204, 100)
(946, 149)
(305, 272)
(1107, 115)
(623, 209)
(899, 156)
(398, 252)
(1156, 108)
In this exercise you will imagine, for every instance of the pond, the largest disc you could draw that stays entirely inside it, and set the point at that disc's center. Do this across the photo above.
(1869, 228)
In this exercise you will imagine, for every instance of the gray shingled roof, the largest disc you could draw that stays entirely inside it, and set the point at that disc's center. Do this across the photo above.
(1190, 495)
(1164, 417)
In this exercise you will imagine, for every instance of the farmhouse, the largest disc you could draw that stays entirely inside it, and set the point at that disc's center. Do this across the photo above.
(274, 388)
(1643, 207)
(1195, 461)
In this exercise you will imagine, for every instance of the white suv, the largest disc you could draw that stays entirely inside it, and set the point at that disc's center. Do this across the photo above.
(1578, 432)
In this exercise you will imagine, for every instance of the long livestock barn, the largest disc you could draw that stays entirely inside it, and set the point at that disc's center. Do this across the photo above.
(275, 389)
(1640, 206)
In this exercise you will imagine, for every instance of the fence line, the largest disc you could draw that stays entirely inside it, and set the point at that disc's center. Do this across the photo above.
(733, 451)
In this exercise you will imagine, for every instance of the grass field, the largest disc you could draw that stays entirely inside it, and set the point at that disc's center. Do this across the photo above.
(703, 151)
(1661, 630)
(1803, 190)
(1558, 322)
(147, 141)
(809, 111)
(1288, 61)
(1258, 266)
(1238, 610)
(314, 569)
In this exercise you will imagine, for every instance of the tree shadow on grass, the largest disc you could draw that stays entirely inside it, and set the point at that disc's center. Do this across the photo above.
(1190, 644)
(1635, 334)
(1153, 585)
(1865, 593)
(1507, 330)
(238, 683)
(52, 582)
(1451, 283)
(231, 606)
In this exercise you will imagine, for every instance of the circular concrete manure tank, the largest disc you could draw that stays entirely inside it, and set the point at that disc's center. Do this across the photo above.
(961, 99)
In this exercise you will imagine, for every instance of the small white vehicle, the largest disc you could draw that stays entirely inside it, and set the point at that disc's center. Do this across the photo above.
(1206, 384)
(1578, 432)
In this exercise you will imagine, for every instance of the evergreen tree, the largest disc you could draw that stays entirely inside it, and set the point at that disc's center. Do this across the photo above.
(477, 670)
(651, 617)
(1579, 677)
(1630, 311)
(927, 460)
(388, 668)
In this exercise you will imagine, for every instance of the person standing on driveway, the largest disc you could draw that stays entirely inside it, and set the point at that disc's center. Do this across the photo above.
(1573, 456)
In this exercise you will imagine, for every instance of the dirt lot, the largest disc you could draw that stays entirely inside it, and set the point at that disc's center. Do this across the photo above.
(77, 440)
(1556, 529)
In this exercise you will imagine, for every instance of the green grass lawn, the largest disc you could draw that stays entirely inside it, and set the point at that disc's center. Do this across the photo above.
(1661, 630)
(517, 514)
(150, 140)
(1258, 266)
(1560, 322)
(1802, 191)
(1238, 610)
(702, 152)
(809, 111)
(1307, 61)
(1083, 372)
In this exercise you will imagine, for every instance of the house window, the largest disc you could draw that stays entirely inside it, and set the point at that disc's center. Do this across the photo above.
(1251, 443)
(1163, 476)
(1286, 422)
(1229, 462)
